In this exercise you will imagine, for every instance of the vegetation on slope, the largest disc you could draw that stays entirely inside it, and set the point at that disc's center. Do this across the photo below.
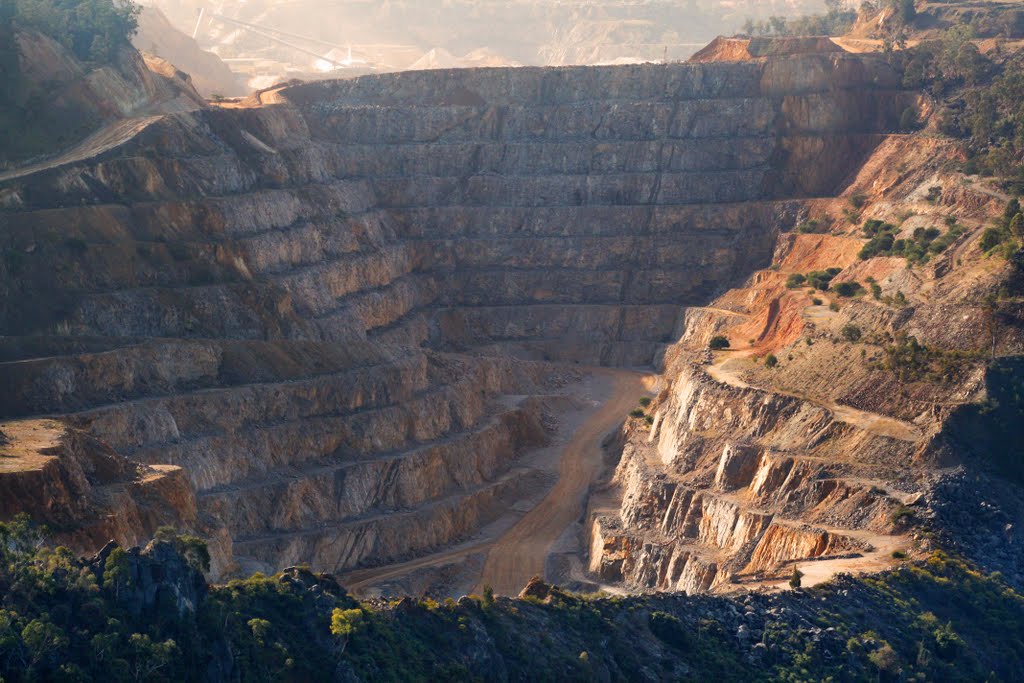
(982, 98)
(93, 31)
(149, 616)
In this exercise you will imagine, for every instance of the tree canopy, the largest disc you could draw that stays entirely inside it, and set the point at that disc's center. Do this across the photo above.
(94, 30)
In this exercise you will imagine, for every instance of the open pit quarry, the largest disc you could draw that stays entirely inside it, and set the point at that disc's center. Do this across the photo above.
(392, 327)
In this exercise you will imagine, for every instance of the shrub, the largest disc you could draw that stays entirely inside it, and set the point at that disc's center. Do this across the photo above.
(820, 279)
(718, 342)
(991, 238)
(876, 290)
(796, 578)
(636, 412)
(812, 226)
(649, 419)
(912, 361)
(886, 659)
(795, 280)
(847, 289)
(851, 333)
(668, 629)
(947, 642)
(645, 401)
(908, 120)
(771, 361)
(816, 301)
(902, 515)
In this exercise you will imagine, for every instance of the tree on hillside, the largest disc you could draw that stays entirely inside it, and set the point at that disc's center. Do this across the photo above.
(94, 30)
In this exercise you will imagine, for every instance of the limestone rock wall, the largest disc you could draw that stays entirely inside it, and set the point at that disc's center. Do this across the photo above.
(319, 304)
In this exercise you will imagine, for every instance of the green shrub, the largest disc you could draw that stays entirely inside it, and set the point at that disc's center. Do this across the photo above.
(847, 289)
(812, 226)
(924, 242)
(991, 238)
(645, 401)
(820, 279)
(902, 515)
(947, 642)
(912, 361)
(718, 342)
(851, 333)
(770, 361)
(796, 578)
(795, 280)
(636, 412)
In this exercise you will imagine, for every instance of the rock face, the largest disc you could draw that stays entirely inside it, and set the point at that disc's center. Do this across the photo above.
(827, 457)
(327, 307)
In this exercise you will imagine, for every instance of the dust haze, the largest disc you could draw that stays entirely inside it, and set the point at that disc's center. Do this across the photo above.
(265, 41)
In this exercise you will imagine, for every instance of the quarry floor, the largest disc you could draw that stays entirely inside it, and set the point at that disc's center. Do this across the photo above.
(510, 551)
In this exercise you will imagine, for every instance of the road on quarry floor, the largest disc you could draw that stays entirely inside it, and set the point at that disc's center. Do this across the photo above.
(520, 554)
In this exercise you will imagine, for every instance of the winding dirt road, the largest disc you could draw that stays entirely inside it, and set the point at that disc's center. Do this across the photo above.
(520, 553)
(881, 425)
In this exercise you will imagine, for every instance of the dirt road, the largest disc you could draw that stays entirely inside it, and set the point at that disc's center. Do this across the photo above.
(103, 140)
(881, 425)
(362, 578)
(520, 553)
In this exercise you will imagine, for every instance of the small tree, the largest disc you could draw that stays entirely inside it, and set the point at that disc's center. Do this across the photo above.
(851, 333)
(43, 639)
(116, 573)
(885, 660)
(148, 657)
(771, 361)
(718, 342)
(345, 623)
(488, 597)
(796, 578)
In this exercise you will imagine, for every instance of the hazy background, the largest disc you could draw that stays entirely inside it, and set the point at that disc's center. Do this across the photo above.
(266, 41)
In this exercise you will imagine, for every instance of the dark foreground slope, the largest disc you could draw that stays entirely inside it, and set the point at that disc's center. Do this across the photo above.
(149, 615)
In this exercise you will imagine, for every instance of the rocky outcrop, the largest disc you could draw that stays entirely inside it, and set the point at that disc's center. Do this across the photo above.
(84, 490)
(825, 458)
